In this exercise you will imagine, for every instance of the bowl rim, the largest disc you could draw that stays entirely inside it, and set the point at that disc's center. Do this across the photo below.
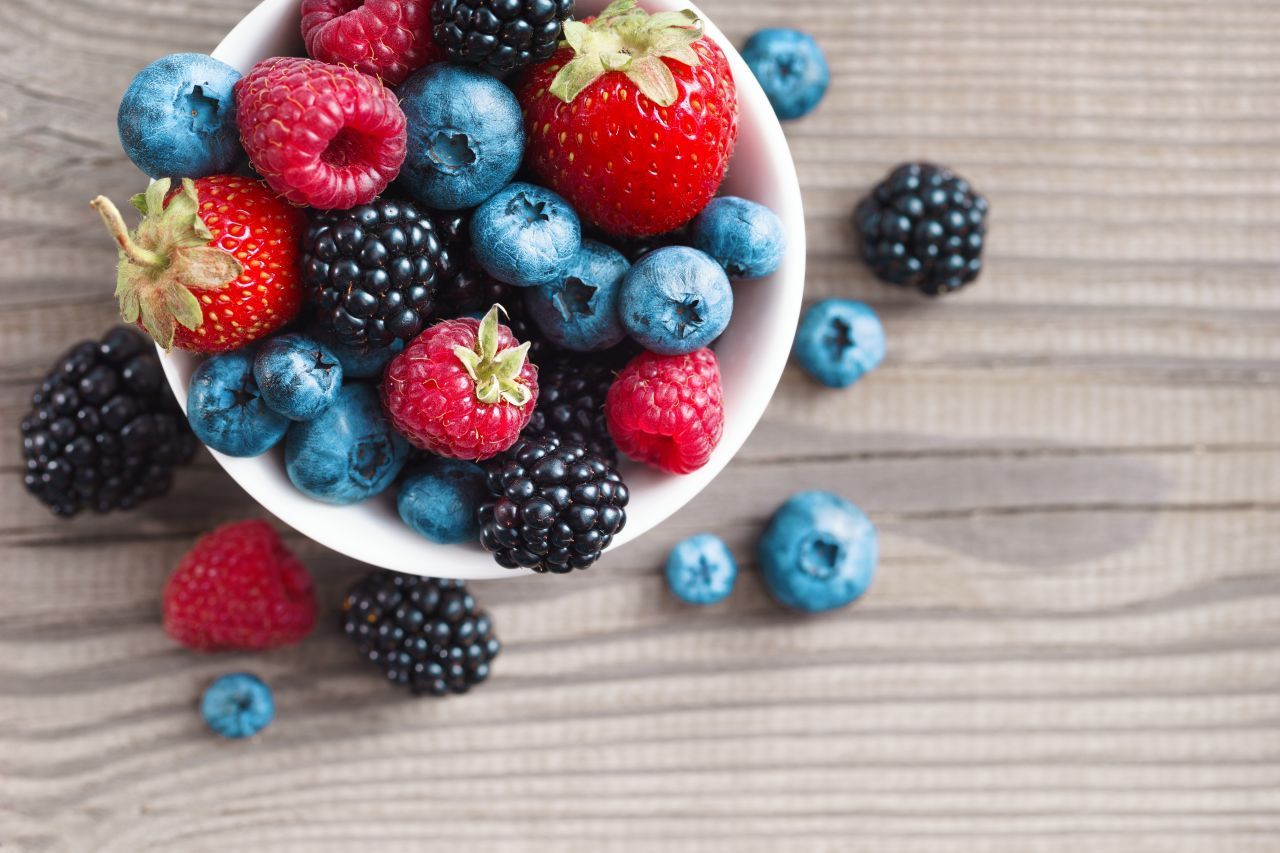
(312, 518)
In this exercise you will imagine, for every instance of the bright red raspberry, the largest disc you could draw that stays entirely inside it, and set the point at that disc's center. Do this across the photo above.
(386, 38)
(667, 411)
(322, 135)
(239, 588)
(463, 388)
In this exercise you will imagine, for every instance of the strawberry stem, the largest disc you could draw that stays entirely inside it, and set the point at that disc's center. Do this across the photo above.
(116, 225)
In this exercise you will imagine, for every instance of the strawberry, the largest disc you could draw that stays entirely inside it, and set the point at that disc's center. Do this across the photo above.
(634, 121)
(212, 267)
(239, 588)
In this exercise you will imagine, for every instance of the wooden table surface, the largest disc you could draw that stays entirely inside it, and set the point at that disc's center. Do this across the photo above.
(1075, 468)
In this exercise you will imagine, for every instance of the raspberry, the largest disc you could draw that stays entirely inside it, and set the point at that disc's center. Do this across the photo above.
(386, 38)
(322, 135)
(239, 588)
(462, 389)
(668, 411)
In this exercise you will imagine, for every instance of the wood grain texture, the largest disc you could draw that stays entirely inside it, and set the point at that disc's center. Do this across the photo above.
(1075, 466)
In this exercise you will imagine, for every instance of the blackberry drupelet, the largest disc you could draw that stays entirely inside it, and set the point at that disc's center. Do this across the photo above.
(923, 227)
(104, 431)
(499, 35)
(473, 292)
(372, 272)
(425, 633)
(570, 407)
(553, 507)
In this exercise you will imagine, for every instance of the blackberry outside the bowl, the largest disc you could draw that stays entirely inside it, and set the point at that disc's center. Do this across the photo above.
(923, 227)
(426, 634)
(104, 431)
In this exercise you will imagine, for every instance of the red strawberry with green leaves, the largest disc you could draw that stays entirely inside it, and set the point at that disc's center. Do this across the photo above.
(214, 264)
(634, 121)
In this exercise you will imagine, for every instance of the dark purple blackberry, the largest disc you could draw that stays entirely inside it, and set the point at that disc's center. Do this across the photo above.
(553, 507)
(104, 431)
(571, 392)
(425, 633)
(923, 227)
(500, 35)
(372, 272)
(473, 292)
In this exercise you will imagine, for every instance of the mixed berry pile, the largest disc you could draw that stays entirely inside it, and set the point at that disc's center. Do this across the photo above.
(470, 253)
(380, 248)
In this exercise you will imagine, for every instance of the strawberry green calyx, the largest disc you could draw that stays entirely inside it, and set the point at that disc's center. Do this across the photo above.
(628, 39)
(166, 258)
(496, 374)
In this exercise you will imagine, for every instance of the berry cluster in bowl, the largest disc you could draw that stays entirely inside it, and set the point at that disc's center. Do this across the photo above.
(471, 253)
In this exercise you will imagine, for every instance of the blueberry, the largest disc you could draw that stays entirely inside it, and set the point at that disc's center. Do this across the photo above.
(226, 409)
(744, 237)
(466, 136)
(581, 311)
(791, 69)
(298, 377)
(525, 235)
(676, 300)
(364, 364)
(701, 570)
(439, 499)
(238, 705)
(839, 340)
(178, 117)
(347, 454)
(818, 553)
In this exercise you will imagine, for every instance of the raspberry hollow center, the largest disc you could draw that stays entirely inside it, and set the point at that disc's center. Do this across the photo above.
(344, 149)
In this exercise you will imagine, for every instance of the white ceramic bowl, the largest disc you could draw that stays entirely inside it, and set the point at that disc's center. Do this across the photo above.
(752, 352)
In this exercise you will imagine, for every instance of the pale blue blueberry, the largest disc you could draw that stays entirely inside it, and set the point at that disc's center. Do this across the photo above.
(744, 237)
(525, 235)
(791, 69)
(177, 119)
(439, 499)
(466, 136)
(676, 300)
(818, 553)
(226, 409)
(701, 570)
(839, 340)
(350, 453)
(238, 705)
(581, 311)
(299, 377)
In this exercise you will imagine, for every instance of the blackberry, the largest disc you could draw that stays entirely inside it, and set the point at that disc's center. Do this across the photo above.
(571, 394)
(473, 292)
(104, 431)
(425, 633)
(553, 507)
(923, 227)
(500, 35)
(373, 271)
